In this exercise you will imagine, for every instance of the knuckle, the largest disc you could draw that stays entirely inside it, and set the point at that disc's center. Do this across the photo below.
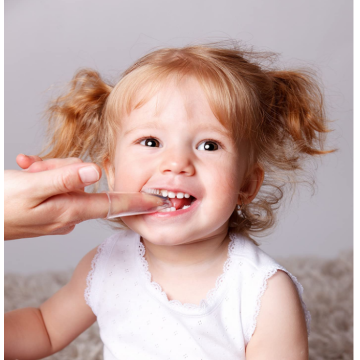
(36, 166)
(67, 229)
(72, 217)
(73, 213)
(62, 223)
(63, 213)
(66, 213)
(75, 160)
(62, 229)
(65, 181)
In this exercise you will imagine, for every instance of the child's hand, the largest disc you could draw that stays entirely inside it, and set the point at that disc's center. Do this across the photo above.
(48, 198)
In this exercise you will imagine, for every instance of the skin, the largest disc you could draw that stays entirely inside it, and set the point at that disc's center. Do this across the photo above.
(47, 197)
(190, 247)
(180, 119)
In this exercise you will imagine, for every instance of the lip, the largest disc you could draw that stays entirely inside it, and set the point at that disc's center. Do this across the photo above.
(177, 213)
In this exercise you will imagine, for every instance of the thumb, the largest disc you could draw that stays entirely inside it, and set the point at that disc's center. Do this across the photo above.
(65, 179)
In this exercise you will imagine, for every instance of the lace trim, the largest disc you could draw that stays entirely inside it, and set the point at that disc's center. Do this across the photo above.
(212, 294)
(103, 252)
(270, 272)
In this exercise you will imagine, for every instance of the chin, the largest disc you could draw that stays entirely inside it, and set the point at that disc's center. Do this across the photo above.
(164, 238)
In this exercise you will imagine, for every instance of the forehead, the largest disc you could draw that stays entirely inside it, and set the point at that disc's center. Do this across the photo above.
(183, 97)
(174, 103)
(140, 85)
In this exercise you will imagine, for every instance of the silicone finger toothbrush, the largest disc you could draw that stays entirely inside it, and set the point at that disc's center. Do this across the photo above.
(126, 204)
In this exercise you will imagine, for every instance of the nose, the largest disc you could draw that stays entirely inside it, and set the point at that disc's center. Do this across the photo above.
(177, 161)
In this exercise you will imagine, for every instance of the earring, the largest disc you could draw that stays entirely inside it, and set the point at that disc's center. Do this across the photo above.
(239, 207)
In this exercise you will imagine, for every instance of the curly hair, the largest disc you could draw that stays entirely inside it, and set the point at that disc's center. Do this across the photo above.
(279, 112)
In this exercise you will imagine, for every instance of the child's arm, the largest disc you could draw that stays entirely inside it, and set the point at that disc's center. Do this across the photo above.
(281, 329)
(33, 333)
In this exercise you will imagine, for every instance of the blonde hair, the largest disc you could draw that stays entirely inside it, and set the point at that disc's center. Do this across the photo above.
(279, 112)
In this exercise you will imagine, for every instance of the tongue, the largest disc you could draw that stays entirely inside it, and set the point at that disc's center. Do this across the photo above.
(179, 203)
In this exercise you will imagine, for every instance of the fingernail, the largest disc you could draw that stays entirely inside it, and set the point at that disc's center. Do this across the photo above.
(88, 174)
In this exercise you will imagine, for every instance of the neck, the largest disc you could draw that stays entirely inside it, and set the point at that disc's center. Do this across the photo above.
(198, 255)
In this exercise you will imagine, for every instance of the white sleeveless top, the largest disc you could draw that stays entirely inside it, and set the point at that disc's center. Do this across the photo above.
(137, 321)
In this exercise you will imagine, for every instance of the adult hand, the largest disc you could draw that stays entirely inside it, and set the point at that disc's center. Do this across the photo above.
(48, 197)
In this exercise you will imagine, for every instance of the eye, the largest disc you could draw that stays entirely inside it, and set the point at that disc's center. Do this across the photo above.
(208, 145)
(150, 142)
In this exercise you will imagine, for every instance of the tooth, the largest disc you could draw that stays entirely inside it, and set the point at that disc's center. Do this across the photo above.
(171, 195)
(172, 209)
(185, 207)
(180, 195)
(164, 193)
(187, 195)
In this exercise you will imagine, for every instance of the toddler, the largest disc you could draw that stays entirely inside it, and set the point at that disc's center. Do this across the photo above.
(221, 136)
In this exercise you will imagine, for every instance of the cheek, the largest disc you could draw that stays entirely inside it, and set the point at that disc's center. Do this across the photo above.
(227, 178)
(223, 188)
(130, 173)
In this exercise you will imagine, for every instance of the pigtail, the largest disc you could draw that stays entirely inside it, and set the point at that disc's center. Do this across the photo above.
(299, 107)
(292, 127)
(280, 115)
(75, 119)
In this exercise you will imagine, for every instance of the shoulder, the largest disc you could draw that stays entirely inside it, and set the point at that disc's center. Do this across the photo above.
(80, 274)
(93, 267)
(97, 257)
(88, 262)
(280, 327)
(271, 301)
(244, 248)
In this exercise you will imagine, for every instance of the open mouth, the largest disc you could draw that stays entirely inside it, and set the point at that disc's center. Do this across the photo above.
(179, 200)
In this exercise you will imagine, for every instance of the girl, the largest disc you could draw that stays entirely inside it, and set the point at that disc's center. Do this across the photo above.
(221, 136)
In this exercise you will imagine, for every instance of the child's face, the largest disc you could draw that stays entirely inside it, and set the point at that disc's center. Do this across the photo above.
(174, 142)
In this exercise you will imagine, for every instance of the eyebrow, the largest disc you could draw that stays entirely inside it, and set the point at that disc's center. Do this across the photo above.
(150, 124)
(155, 124)
(218, 130)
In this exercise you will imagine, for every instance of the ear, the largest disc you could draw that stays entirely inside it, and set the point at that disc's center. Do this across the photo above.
(110, 174)
(252, 185)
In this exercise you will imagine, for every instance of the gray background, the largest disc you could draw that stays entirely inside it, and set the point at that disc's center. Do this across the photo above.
(47, 41)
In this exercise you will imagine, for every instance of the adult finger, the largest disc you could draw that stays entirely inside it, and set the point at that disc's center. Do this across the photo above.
(73, 208)
(86, 206)
(24, 161)
(63, 180)
(51, 164)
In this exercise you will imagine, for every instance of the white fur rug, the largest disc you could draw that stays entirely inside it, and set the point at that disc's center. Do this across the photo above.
(328, 294)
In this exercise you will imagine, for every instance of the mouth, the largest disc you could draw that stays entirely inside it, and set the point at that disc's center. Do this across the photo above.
(180, 200)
